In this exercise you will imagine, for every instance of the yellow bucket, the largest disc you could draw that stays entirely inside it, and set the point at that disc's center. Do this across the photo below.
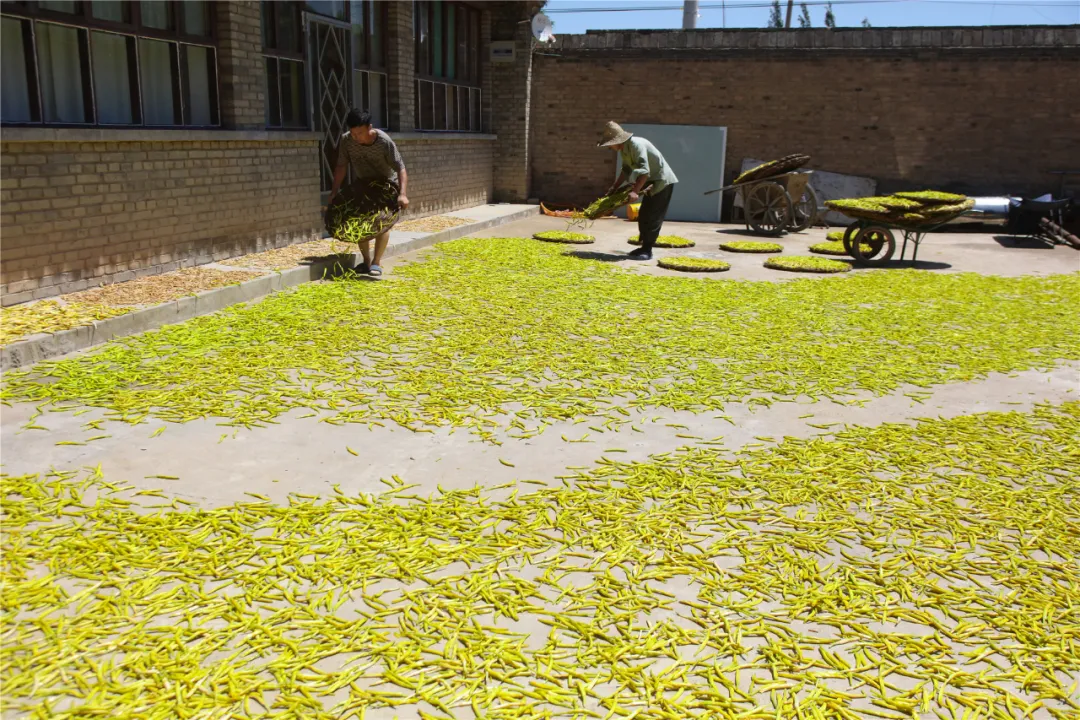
(632, 211)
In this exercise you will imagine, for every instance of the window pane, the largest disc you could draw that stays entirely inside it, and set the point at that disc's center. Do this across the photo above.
(267, 17)
(440, 107)
(195, 14)
(451, 41)
(375, 32)
(474, 114)
(359, 33)
(427, 112)
(273, 103)
(156, 14)
(156, 71)
(288, 27)
(462, 38)
(451, 108)
(199, 62)
(58, 6)
(437, 34)
(292, 94)
(113, 10)
(112, 78)
(463, 109)
(14, 90)
(423, 67)
(60, 68)
(332, 8)
(376, 91)
(474, 49)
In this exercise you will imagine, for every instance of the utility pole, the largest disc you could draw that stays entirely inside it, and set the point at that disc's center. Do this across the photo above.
(689, 14)
(790, 4)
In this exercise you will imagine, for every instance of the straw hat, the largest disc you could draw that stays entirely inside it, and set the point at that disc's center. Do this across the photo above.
(613, 135)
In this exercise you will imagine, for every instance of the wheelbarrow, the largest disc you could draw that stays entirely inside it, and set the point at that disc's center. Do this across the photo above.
(777, 204)
(871, 242)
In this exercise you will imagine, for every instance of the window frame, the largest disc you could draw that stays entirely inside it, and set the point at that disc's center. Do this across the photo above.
(473, 67)
(133, 31)
(274, 54)
(368, 65)
(458, 99)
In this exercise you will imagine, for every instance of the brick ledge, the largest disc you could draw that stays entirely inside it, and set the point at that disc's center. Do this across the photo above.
(437, 135)
(53, 134)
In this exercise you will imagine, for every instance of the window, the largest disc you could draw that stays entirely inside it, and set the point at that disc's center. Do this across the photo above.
(368, 19)
(447, 36)
(283, 50)
(109, 63)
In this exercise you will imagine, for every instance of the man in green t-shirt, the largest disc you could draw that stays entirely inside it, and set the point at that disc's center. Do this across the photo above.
(642, 164)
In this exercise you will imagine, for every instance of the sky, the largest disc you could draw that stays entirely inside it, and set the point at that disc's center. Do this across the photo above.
(605, 15)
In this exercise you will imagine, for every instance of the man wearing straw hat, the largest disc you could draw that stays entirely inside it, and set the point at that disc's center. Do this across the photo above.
(642, 164)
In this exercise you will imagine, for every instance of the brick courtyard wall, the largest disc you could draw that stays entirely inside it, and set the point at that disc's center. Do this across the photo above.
(446, 171)
(83, 207)
(978, 110)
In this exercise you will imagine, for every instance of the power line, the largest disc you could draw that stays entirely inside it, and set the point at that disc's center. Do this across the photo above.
(1064, 4)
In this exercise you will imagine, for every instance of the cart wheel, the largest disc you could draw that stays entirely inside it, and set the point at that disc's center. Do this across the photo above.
(882, 245)
(849, 234)
(804, 210)
(768, 208)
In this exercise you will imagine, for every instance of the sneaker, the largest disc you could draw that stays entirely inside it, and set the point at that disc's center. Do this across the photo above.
(641, 254)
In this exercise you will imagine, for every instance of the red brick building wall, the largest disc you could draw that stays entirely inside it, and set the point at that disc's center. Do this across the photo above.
(977, 110)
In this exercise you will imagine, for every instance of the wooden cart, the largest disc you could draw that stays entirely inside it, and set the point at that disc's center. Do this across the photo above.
(776, 204)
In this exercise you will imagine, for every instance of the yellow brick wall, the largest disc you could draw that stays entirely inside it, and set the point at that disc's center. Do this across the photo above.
(446, 174)
(76, 214)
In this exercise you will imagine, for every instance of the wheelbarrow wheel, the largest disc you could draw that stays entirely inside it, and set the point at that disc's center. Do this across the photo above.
(880, 242)
(768, 208)
(849, 234)
(804, 210)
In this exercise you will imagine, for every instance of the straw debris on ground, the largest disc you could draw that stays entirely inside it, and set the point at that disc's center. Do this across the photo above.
(434, 224)
(588, 339)
(49, 316)
(156, 289)
(902, 571)
(292, 255)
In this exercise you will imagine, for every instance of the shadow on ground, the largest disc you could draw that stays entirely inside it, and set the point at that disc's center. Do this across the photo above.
(598, 256)
(313, 259)
(743, 232)
(1023, 241)
(903, 264)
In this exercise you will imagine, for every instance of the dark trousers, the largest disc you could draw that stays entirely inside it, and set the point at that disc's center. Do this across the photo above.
(651, 216)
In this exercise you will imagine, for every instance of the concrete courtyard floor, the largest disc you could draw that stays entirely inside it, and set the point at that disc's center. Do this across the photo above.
(218, 466)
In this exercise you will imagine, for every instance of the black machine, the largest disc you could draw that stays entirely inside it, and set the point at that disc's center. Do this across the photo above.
(1042, 218)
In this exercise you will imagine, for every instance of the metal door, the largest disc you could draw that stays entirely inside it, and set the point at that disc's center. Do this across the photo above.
(696, 154)
(328, 60)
